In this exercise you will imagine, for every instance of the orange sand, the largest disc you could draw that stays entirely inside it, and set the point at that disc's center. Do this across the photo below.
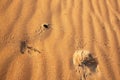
(92, 25)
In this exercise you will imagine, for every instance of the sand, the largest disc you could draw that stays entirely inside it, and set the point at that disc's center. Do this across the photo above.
(30, 51)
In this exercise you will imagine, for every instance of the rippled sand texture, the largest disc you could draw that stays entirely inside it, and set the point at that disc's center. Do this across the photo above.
(93, 25)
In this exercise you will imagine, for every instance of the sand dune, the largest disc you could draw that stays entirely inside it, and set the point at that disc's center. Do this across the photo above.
(92, 25)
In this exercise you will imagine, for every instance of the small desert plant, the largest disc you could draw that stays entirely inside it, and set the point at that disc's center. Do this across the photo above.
(85, 64)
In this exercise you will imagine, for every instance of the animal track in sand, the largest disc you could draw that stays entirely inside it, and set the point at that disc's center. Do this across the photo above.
(25, 47)
(85, 64)
(43, 30)
(80, 44)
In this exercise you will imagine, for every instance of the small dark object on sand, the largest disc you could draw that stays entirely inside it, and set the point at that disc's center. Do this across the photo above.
(23, 46)
(46, 25)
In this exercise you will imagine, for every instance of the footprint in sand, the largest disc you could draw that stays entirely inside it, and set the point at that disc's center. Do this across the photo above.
(85, 64)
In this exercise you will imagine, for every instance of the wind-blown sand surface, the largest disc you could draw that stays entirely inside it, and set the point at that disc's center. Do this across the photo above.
(92, 25)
